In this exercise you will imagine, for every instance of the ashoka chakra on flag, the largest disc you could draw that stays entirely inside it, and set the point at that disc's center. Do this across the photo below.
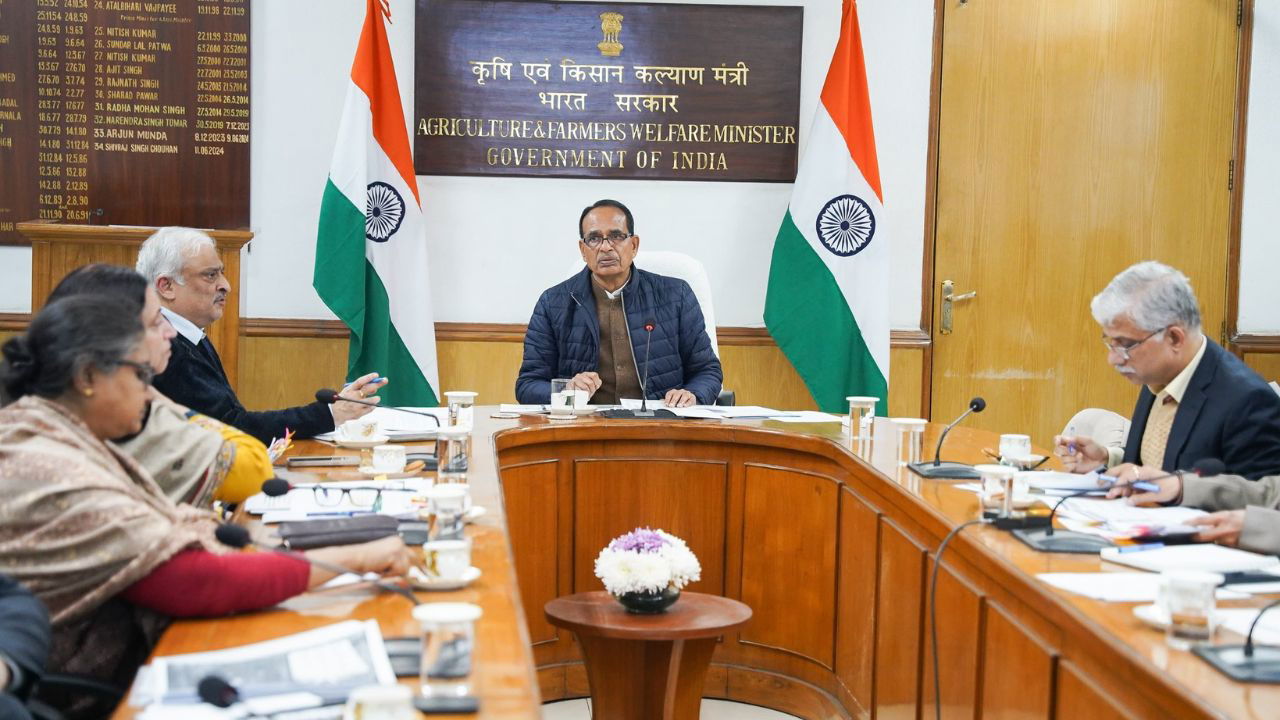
(383, 213)
(846, 225)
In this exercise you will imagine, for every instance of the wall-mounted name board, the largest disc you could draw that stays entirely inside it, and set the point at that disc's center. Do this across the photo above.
(642, 91)
(127, 112)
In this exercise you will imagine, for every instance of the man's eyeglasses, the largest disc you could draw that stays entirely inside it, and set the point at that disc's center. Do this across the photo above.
(615, 238)
(1124, 348)
(145, 372)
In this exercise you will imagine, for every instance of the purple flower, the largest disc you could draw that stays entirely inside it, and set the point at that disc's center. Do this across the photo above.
(641, 540)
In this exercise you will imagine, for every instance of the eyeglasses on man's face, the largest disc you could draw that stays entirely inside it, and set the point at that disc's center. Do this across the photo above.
(615, 238)
(1124, 347)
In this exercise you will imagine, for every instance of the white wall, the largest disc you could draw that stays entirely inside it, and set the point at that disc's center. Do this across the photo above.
(1260, 223)
(496, 243)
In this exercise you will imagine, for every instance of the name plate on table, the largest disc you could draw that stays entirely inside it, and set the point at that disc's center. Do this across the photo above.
(638, 91)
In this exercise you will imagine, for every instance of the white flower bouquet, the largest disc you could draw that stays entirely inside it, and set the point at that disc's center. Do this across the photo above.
(646, 561)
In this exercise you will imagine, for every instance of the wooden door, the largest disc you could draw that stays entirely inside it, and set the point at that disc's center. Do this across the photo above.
(1076, 137)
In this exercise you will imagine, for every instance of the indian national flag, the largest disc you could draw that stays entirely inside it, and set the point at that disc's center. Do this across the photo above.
(371, 254)
(827, 304)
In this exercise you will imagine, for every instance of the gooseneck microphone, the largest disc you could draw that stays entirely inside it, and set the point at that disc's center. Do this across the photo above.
(216, 691)
(950, 470)
(1043, 538)
(1246, 663)
(237, 536)
(275, 487)
(644, 411)
(330, 396)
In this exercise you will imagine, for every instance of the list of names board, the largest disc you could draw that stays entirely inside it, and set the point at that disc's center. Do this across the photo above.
(125, 112)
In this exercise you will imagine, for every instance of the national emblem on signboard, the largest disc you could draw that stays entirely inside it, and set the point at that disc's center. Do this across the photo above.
(846, 225)
(383, 212)
(611, 26)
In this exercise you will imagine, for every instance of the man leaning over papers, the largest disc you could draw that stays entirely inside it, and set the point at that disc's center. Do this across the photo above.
(1247, 511)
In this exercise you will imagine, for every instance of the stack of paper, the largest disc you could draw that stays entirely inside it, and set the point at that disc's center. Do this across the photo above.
(398, 425)
(399, 497)
(1119, 520)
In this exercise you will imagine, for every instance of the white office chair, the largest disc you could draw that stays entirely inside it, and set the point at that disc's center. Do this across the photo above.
(1107, 428)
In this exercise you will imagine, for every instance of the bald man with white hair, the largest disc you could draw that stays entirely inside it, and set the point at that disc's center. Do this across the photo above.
(183, 265)
(1197, 400)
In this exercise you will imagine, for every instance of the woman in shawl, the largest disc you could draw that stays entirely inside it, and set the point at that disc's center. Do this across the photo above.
(87, 530)
(192, 457)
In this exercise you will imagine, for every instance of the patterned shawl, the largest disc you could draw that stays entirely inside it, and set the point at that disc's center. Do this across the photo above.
(80, 521)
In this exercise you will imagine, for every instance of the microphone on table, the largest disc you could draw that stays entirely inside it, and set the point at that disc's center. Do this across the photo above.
(237, 536)
(1040, 534)
(330, 396)
(644, 412)
(215, 690)
(649, 325)
(950, 470)
(1245, 663)
(275, 487)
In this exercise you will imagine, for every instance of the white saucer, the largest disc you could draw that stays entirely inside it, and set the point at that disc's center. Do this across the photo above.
(420, 581)
(369, 442)
(475, 513)
(562, 418)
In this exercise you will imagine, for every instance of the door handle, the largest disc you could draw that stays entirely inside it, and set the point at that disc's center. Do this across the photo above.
(948, 298)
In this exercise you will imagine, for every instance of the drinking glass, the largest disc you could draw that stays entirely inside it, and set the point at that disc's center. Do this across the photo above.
(861, 410)
(448, 645)
(462, 408)
(1187, 597)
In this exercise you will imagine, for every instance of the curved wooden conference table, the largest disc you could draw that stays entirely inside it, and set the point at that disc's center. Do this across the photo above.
(832, 554)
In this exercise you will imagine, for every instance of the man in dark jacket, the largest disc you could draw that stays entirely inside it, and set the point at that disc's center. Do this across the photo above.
(183, 266)
(1197, 400)
(593, 328)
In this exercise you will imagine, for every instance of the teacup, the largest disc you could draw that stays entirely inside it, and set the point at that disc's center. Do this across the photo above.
(446, 559)
(358, 429)
(380, 702)
(388, 458)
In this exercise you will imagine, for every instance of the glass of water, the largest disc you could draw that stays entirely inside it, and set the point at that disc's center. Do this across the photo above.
(861, 410)
(1187, 596)
(448, 648)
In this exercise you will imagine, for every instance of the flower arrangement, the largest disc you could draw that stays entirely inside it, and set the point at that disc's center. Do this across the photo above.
(646, 561)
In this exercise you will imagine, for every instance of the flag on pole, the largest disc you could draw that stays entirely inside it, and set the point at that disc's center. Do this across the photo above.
(371, 252)
(827, 304)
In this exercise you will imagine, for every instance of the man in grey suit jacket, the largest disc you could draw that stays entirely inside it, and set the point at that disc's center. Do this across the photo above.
(1248, 511)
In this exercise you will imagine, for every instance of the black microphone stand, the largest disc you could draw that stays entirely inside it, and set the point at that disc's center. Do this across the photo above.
(1247, 663)
(949, 470)
(644, 413)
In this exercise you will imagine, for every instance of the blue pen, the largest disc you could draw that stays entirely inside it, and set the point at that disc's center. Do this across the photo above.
(1140, 548)
(375, 381)
(342, 513)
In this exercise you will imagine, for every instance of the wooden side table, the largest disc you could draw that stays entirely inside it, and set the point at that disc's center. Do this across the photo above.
(646, 667)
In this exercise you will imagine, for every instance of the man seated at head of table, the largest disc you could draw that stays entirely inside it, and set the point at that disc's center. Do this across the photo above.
(192, 457)
(183, 266)
(86, 529)
(591, 328)
(1197, 400)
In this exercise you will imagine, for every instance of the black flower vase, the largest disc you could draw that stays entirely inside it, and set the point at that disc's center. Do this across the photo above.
(649, 603)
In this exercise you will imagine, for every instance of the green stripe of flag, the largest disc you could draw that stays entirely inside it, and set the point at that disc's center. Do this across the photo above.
(808, 317)
(350, 286)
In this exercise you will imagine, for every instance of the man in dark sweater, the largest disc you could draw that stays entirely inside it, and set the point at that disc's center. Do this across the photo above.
(183, 265)
(597, 328)
(24, 647)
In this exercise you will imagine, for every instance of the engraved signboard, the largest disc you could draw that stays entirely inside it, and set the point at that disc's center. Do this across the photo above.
(642, 91)
(128, 112)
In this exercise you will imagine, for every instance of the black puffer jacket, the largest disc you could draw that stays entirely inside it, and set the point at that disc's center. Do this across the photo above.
(564, 337)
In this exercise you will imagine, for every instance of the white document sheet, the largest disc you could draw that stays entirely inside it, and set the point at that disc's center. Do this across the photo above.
(807, 416)
(300, 502)
(1117, 586)
(1206, 557)
(393, 423)
(1238, 620)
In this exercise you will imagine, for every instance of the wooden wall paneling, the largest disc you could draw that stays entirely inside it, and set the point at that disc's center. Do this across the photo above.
(856, 598)
(906, 382)
(789, 525)
(283, 372)
(686, 498)
(489, 368)
(529, 493)
(762, 375)
(1079, 696)
(784, 694)
(898, 618)
(1018, 669)
(1265, 364)
(959, 612)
